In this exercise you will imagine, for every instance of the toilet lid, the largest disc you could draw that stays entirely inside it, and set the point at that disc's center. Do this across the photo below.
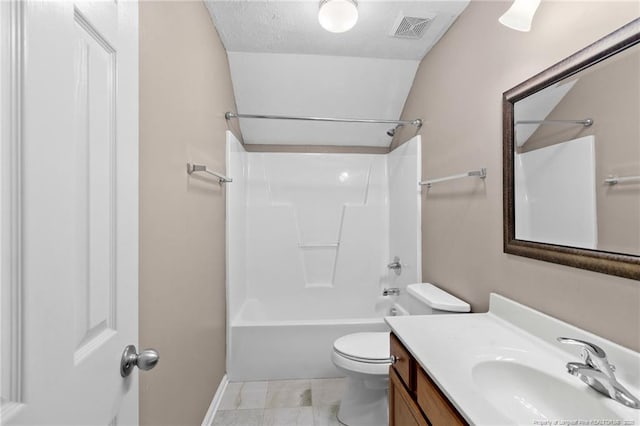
(364, 346)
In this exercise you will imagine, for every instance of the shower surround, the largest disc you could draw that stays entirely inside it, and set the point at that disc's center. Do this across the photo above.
(309, 237)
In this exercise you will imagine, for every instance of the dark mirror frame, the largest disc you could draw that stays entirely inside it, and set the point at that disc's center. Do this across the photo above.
(623, 265)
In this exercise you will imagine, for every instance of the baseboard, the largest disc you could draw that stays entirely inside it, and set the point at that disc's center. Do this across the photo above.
(215, 402)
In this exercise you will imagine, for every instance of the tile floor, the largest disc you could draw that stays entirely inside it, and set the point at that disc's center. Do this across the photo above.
(311, 402)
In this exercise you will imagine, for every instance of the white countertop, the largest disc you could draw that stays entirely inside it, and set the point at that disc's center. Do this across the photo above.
(450, 348)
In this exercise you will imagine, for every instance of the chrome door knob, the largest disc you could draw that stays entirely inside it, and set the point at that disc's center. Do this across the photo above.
(144, 360)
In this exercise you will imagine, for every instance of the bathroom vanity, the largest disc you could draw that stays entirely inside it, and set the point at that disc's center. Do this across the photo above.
(413, 398)
(506, 367)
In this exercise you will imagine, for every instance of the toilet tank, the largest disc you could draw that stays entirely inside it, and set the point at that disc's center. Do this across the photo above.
(427, 299)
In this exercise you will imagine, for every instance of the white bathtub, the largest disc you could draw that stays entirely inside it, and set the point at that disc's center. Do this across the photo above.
(263, 346)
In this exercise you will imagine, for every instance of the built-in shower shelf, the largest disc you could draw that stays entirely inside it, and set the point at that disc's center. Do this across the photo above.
(318, 245)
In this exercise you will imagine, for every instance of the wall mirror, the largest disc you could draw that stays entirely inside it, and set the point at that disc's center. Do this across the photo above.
(571, 154)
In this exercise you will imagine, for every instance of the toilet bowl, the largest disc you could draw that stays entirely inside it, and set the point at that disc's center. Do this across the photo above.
(365, 359)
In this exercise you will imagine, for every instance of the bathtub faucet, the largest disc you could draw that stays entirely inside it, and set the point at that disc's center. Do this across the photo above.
(395, 266)
(393, 291)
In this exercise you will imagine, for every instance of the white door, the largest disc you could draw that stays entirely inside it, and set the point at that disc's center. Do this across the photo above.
(69, 211)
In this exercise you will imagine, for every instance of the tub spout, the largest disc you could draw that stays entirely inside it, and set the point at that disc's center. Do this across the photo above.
(393, 291)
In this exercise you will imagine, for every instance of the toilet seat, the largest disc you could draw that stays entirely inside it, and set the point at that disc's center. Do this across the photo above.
(366, 353)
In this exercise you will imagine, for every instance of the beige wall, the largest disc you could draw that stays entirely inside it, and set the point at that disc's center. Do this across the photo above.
(185, 88)
(458, 92)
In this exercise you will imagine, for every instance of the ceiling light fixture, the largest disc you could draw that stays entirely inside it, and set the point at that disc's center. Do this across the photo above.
(338, 16)
(520, 15)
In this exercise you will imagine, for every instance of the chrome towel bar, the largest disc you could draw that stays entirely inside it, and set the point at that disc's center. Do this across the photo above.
(482, 173)
(586, 122)
(194, 168)
(613, 180)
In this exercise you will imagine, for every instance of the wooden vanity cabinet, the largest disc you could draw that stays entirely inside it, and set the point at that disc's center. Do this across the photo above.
(403, 410)
(404, 364)
(414, 400)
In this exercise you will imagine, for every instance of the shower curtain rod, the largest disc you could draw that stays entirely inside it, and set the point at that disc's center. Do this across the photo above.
(417, 122)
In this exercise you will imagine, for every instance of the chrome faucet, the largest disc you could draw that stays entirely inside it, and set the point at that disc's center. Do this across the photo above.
(598, 373)
(393, 291)
(395, 265)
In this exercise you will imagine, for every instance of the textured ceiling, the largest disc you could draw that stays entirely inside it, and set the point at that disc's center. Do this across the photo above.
(284, 63)
(292, 27)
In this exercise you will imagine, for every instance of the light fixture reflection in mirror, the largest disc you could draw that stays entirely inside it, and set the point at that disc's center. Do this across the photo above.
(338, 16)
(520, 15)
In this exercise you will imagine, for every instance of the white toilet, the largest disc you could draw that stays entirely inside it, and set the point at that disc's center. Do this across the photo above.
(365, 359)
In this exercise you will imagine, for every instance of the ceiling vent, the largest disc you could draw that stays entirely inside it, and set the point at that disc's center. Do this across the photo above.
(411, 26)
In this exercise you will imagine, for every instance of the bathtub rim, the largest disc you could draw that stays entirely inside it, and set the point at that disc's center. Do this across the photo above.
(401, 311)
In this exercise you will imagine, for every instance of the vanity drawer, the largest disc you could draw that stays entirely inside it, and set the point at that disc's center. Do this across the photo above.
(434, 404)
(404, 364)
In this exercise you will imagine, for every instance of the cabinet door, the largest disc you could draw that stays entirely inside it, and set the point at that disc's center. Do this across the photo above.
(434, 404)
(403, 411)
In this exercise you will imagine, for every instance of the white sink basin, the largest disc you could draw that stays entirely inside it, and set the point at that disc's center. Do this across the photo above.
(506, 367)
(519, 392)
